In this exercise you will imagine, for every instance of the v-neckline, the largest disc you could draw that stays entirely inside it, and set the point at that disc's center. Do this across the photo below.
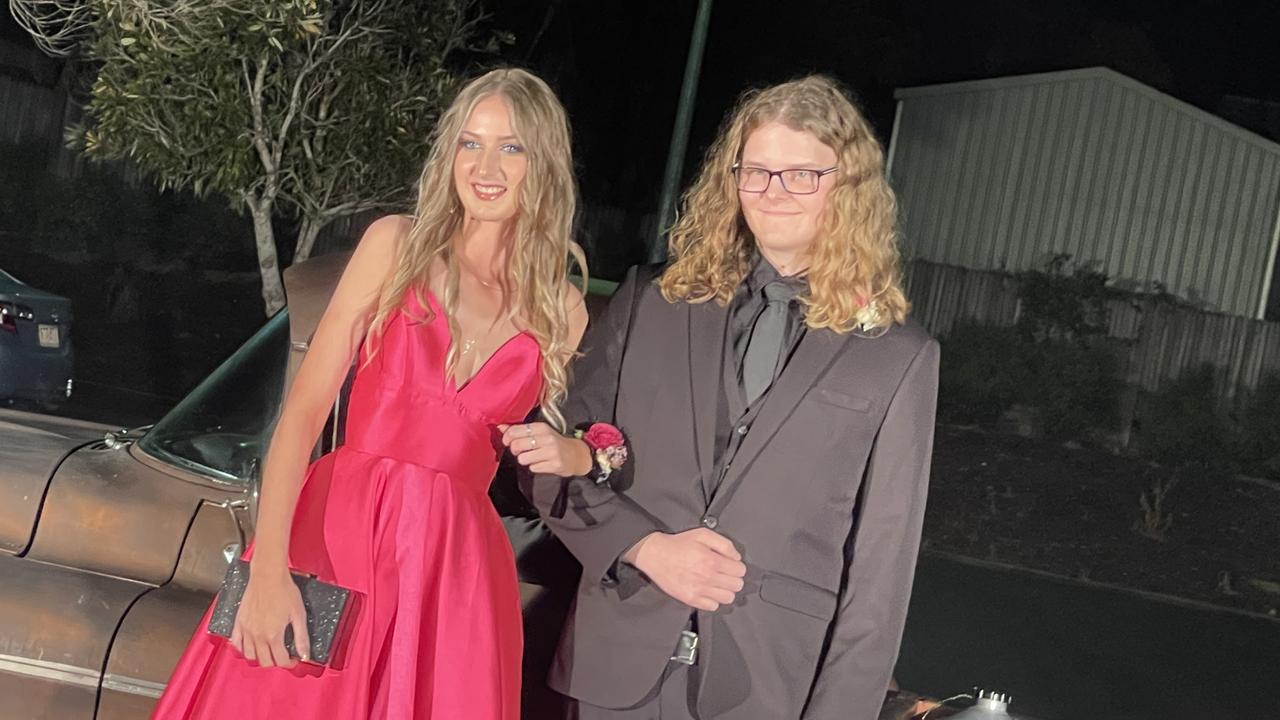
(450, 377)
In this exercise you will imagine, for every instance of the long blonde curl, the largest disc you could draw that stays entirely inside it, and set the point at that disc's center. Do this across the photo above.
(855, 262)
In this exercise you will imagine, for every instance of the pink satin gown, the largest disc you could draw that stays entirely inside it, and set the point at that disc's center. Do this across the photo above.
(401, 514)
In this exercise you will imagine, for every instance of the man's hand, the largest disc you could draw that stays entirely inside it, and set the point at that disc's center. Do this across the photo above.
(700, 568)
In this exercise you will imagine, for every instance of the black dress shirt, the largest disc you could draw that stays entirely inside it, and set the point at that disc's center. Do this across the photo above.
(733, 415)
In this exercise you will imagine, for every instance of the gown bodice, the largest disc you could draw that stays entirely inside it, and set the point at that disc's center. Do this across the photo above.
(405, 405)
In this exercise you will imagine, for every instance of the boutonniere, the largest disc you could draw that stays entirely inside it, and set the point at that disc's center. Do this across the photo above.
(867, 317)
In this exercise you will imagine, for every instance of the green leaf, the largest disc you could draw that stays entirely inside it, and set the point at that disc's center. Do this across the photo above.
(1266, 585)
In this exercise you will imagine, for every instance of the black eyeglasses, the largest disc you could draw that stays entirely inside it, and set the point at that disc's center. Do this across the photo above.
(797, 181)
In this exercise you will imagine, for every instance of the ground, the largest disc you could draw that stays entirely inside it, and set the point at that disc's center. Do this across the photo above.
(1072, 511)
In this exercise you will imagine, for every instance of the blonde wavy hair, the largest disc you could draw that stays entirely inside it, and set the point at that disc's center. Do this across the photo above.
(543, 243)
(854, 278)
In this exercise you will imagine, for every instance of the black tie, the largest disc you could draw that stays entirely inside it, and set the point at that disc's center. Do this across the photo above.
(760, 361)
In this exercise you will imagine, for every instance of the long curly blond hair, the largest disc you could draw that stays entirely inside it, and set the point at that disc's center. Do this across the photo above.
(854, 278)
(543, 243)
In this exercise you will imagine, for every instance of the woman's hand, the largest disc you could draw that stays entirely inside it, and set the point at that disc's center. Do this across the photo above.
(270, 603)
(540, 448)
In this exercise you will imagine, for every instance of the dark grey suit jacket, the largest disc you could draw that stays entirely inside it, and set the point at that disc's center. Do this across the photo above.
(825, 501)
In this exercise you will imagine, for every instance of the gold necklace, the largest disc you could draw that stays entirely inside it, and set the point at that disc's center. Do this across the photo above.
(469, 344)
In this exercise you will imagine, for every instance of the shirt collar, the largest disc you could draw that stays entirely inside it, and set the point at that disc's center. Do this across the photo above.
(763, 272)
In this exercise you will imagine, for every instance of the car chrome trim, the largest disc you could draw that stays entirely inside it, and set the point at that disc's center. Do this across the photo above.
(47, 670)
(80, 676)
(182, 473)
(133, 686)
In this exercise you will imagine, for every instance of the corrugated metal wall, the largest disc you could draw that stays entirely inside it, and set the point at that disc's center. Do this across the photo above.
(37, 117)
(1003, 173)
(30, 112)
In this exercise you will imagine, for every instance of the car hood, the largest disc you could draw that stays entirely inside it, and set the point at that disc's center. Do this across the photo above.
(12, 285)
(31, 447)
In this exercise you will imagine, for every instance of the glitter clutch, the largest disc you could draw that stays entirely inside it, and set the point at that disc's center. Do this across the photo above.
(328, 606)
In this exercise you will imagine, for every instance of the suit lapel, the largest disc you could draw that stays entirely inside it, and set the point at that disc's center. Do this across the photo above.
(707, 323)
(817, 350)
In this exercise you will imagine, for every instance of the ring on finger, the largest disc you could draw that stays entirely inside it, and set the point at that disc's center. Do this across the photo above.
(533, 442)
(528, 431)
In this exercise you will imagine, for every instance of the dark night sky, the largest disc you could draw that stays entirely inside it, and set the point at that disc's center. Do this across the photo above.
(618, 64)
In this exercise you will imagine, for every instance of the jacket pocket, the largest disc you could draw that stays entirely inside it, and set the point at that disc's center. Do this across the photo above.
(798, 595)
(841, 400)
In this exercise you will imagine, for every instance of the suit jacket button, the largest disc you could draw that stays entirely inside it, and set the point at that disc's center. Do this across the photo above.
(743, 428)
(710, 522)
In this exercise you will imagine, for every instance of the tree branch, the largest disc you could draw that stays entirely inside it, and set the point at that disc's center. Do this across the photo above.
(260, 132)
(56, 26)
(350, 31)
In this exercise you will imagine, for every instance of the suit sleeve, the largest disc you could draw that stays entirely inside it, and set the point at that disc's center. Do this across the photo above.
(867, 630)
(593, 521)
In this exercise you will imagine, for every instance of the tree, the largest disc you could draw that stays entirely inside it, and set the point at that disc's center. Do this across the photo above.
(318, 107)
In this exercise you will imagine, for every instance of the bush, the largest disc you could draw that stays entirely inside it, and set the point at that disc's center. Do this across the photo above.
(982, 373)
(1075, 386)
(1259, 438)
(89, 217)
(1182, 424)
(1066, 300)
(98, 217)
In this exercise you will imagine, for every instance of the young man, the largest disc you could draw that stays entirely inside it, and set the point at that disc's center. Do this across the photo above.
(754, 556)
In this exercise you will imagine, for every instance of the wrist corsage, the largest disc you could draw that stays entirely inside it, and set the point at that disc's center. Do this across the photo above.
(608, 449)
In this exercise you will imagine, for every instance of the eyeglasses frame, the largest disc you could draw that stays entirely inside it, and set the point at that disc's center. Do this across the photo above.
(778, 173)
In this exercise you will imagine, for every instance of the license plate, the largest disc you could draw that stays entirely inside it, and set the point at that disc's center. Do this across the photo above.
(49, 336)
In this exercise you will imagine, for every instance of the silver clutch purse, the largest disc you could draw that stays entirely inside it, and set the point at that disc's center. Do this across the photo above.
(328, 608)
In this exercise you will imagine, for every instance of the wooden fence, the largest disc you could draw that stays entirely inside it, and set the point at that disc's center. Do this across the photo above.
(1162, 340)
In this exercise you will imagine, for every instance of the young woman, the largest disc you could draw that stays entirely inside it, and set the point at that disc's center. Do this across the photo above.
(460, 320)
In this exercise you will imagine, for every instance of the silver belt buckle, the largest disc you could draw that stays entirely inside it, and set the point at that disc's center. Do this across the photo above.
(687, 649)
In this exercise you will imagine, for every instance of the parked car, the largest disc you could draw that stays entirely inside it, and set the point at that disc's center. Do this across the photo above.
(35, 343)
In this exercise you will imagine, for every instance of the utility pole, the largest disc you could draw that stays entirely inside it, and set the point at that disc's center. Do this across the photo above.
(680, 133)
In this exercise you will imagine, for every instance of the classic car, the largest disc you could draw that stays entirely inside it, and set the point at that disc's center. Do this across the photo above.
(35, 344)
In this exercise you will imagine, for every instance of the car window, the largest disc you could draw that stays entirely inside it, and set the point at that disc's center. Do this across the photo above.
(223, 426)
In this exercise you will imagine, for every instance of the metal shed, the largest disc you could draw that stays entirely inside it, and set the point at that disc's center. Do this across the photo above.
(1002, 173)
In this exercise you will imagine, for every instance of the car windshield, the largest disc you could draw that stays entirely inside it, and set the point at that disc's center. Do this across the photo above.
(223, 426)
